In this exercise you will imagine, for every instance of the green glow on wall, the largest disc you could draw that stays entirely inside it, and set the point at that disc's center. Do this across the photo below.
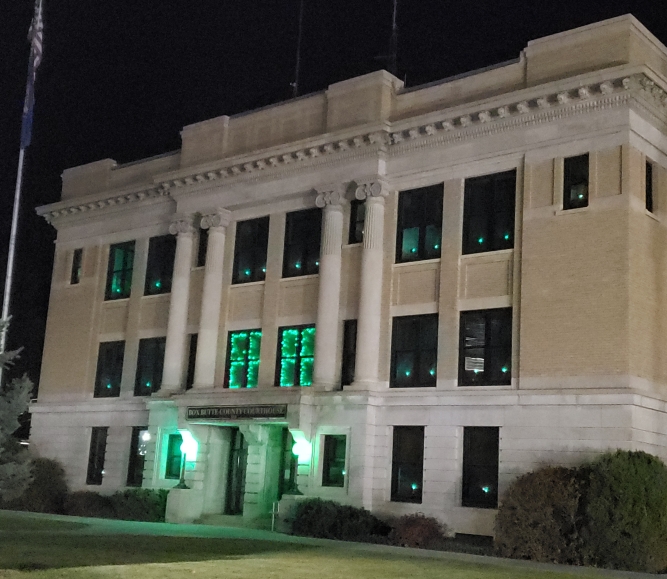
(303, 450)
(244, 358)
(189, 446)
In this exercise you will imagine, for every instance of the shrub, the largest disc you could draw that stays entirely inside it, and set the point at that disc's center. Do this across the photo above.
(140, 505)
(48, 490)
(627, 512)
(540, 516)
(418, 530)
(89, 504)
(331, 520)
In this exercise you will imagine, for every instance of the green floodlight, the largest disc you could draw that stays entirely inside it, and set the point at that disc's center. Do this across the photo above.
(303, 450)
(189, 446)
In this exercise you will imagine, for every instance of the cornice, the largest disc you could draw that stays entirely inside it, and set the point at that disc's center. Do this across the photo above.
(468, 123)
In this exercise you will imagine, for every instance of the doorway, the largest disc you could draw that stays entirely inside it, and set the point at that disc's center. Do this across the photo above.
(238, 459)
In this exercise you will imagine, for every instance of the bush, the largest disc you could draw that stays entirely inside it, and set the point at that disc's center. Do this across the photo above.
(331, 520)
(540, 516)
(627, 512)
(89, 504)
(418, 531)
(140, 505)
(48, 490)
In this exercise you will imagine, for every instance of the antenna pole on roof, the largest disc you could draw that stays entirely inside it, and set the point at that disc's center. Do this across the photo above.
(393, 49)
(297, 66)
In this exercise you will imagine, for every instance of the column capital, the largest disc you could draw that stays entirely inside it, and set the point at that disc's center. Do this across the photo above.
(330, 196)
(217, 218)
(181, 223)
(369, 188)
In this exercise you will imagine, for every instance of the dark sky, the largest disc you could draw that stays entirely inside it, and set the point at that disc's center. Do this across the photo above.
(120, 78)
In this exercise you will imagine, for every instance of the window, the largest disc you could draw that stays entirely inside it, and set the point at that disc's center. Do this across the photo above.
(649, 186)
(202, 247)
(296, 354)
(480, 467)
(349, 351)
(488, 213)
(575, 182)
(407, 464)
(252, 240)
(77, 261)
(174, 457)
(160, 265)
(357, 218)
(98, 448)
(419, 232)
(149, 366)
(333, 462)
(302, 243)
(243, 359)
(289, 466)
(135, 468)
(192, 358)
(109, 369)
(485, 347)
(119, 271)
(414, 351)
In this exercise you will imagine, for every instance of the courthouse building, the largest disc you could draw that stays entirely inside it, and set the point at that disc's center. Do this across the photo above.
(396, 298)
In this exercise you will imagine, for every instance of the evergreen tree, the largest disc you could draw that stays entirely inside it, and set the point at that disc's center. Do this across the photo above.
(15, 463)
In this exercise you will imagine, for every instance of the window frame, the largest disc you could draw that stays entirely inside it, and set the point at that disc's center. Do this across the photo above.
(202, 247)
(96, 455)
(303, 232)
(125, 272)
(502, 314)
(487, 499)
(331, 461)
(357, 216)
(412, 459)
(649, 187)
(193, 340)
(349, 352)
(418, 352)
(104, 352)
(76, 267)
(572, 180)
(430, 215)
(298, 357)
(256, 251)
(147, 354)
(246, 359)
(483, 203)
(136, 462)
(160, 265)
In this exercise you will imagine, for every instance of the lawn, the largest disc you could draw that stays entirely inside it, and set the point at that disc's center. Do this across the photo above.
(40, 548)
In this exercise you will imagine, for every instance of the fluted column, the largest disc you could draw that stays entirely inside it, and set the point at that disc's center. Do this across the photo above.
(331, 200)
(174, 354)
(209, 322)
(368, 322)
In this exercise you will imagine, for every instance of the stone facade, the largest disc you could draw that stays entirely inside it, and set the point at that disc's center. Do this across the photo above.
(585, 285)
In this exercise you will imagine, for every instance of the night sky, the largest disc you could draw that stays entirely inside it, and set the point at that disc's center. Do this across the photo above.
(120, 78)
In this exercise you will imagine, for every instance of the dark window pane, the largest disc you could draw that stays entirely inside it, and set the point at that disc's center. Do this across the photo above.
(575, 182)
(407, 464)
(414, 346)
(649, 186)
(349, 351)
(174, 457)
(419, 230)
(357, 218)
(98, 447)
(109, 369)
(192, 358)
(252, 238)
(160, 265)
(485, 347)
(148, 378)
(135, 468)
(480, 467)
(202, 247)
(119, 271)
(296, 351)
(333, 463)
(77, 262)
(302, 243)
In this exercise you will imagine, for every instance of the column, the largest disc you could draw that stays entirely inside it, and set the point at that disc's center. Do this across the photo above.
(370, 295)
(174, 355)
(209, 321)
(325, 373)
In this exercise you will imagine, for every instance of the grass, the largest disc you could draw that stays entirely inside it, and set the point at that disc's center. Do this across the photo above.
(42, 548)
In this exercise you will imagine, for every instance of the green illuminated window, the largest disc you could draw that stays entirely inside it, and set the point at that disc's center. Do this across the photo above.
(488, 213)
(243, 359)
(148, 378)
(173, 464)
(252, 240)
(109, 369)
(419, 231)
(160, 265)
(296, 347)
(119, 271)
(302, 243)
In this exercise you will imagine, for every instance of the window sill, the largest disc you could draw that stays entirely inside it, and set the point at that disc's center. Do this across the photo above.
(652, 215)
(562, 211)
(357, 244)
(297, 277)
(115, 300)
(484, 386)
(248, 283)
(488, 254)
(431, 260)
(156, 295)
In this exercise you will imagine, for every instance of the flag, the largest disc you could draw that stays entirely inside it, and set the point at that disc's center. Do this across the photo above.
(36, 38)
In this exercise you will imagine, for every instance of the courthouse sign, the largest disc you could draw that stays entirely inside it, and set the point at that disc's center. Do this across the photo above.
(236, 412)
